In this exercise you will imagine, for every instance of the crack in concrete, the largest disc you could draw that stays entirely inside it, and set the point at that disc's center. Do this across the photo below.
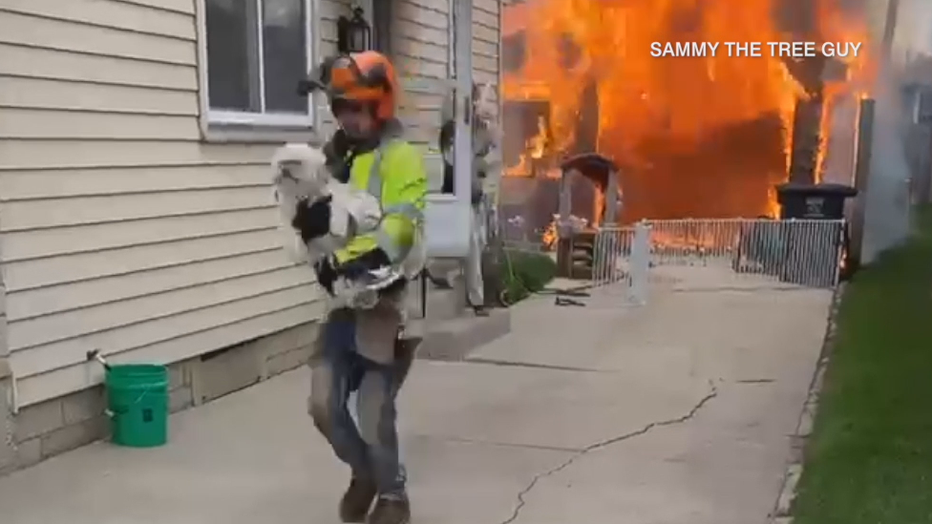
(480, 442)
(531, 365)
(522, 502)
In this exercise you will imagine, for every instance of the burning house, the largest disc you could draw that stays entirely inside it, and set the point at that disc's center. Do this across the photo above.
(693, 137)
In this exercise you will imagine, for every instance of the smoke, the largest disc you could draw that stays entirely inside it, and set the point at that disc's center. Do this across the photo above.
(886, 196)
(914, 28)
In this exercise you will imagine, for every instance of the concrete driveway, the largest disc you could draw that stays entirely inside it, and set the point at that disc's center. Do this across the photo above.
(677, 412)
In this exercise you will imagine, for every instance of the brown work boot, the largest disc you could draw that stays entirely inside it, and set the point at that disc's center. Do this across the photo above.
(394, 510)
(354, 506)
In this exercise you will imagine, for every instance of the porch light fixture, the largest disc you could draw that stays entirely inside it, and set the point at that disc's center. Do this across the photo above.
(354, 35)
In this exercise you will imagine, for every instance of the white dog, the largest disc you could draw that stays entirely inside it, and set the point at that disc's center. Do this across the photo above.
(300, 175)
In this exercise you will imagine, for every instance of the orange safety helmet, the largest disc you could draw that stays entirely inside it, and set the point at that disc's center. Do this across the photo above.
(368, 77)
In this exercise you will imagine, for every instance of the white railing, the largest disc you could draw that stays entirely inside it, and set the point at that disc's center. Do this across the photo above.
(805, 253)
(621, 261)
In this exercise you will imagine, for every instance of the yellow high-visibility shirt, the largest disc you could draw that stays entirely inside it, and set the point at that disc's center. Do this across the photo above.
(396, 176)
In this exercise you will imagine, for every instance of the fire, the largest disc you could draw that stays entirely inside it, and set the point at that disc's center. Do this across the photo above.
(838, 26)
(663, 240)
(535, 150)
(538, 143)
(549, 239)
(701, 137)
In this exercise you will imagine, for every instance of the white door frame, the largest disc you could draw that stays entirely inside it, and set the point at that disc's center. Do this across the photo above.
(447, 217)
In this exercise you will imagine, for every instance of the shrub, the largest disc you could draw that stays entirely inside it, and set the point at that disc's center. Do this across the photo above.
(526, 273)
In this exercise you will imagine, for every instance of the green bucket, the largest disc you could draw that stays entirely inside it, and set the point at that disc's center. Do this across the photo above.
(138, 404)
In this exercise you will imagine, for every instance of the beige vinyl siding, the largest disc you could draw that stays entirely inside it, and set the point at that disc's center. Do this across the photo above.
(421, 46)
(328, 12)
(420, 36)
(486, 42)
(119, 229)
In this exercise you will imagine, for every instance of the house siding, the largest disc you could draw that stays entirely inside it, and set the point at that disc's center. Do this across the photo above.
(421, 45)
(486, 42)
(422, 52)
(120, 229)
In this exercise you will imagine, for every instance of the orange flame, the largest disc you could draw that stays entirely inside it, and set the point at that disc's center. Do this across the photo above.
(549, 238)
(700, 136)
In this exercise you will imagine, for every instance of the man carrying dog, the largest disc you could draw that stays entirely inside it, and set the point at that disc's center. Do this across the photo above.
(362, 350)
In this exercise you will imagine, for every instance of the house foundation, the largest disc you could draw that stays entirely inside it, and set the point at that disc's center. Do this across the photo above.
(46, 429)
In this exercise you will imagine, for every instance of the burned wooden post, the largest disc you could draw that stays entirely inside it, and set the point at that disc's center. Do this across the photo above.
(861, 179)
(807, 120)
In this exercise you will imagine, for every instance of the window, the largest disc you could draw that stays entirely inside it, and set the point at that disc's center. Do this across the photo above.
(514, 52)
(257, 53)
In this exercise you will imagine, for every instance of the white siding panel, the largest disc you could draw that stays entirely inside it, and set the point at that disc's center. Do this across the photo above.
(61, 183)
(73, 351)
(484, 77)
(414, 31)
(23, 215)
(34, 62)
(119, 15)
(419, 68)
(82, 239)
(329, 11)
(487, 34)
(29, 123)
(69, 36)
(51, 331)
(486, 41)
(62, 270)
(428, 14)
(420, 41)
(117, 154)
(435, 52)
(72, 378)
(178, 6)
(119, 229)
(485, 64)
(486, 49)
(72, 295)
(73, 96)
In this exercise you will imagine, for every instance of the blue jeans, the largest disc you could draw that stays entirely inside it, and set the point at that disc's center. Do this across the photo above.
(371, 449)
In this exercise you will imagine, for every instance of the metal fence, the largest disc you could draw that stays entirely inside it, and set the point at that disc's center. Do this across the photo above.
(719, 252)
(621, 262)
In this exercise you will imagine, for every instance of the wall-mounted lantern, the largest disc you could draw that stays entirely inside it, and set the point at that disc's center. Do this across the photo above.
(354, 35)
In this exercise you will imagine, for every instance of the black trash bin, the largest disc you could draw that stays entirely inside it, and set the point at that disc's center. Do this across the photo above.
(811, 247)
(813, 201)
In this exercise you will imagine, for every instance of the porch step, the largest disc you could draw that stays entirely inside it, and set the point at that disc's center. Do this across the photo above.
(442, 304)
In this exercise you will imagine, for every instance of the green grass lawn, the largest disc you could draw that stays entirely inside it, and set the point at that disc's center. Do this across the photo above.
(869, 460)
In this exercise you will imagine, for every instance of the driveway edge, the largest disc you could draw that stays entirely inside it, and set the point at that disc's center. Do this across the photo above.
(783, 507)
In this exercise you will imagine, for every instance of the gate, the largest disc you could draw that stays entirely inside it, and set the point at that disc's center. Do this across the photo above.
(719, 253)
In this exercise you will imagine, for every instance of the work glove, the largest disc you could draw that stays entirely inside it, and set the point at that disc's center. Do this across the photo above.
(326, 275)
(312, 221)
(328, 270)
(359, 266)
